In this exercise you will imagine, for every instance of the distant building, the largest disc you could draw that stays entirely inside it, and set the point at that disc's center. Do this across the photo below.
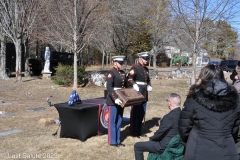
(171, 51)
(202, 59)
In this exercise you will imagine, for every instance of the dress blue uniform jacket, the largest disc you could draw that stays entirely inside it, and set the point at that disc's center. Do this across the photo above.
(141, 74)
(117, 80)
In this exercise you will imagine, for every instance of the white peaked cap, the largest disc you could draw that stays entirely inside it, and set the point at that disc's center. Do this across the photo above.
(118, 58)
(143, 54)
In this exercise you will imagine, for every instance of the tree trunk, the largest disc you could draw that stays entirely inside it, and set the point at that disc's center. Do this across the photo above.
(193, 78)
(18, 60)
(103, 54)
(154, 62)
(26, 57)
(171, 61)
(194, 66)
(107, 59)
(3, 74)
(75, 85)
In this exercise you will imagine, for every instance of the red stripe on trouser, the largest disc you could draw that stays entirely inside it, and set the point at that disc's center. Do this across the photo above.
(114, 125)
(109, 125)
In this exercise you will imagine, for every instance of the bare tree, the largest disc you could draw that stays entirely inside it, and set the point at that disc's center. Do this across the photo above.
(16, 19)
(178, 38)
(102, 38)
(237, 54)
(158, 18)
(71, 23)
(194, 13)
(3, 73)
(103, 42)
(123, 16)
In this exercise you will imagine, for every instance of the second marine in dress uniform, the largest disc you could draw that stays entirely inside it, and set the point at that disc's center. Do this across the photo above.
(116, 79)
(139, 78)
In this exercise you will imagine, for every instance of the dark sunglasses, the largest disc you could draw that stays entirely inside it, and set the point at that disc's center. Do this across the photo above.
(145, 57)
(120, 62)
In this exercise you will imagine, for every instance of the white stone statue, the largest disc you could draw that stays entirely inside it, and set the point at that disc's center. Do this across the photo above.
(47, 60)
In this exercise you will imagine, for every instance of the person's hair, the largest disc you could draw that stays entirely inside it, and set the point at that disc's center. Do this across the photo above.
(238, 63)
(174, 95)
(207, 73)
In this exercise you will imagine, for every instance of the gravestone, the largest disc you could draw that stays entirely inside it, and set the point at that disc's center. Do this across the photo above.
(35, 109)
(179, 73)
(5, 133)
(7, 114)
(4, 103)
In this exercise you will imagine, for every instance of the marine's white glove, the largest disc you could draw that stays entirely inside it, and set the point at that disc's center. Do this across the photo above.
(135, 87)
(118, 101)
(149, 88)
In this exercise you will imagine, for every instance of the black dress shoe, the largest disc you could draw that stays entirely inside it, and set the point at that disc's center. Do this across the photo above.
(121, 145)
(114, 145)
(143, 135)
(136, 136)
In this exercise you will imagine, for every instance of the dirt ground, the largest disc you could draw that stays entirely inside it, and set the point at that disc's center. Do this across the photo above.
(35, 139)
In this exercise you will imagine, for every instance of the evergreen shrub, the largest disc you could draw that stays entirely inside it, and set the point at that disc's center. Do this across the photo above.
(64, 75)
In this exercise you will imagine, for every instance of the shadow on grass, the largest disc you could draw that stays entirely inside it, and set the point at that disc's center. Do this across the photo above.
(32, 79)
(146, 126)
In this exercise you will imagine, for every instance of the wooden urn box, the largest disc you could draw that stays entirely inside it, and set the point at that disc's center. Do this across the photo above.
(129, 97)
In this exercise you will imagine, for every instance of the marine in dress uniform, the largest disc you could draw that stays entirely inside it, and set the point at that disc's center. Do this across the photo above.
(139, 79)
(116, 79)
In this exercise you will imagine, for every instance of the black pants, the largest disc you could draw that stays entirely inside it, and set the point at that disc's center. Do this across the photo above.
(136, 118)
(151, 146)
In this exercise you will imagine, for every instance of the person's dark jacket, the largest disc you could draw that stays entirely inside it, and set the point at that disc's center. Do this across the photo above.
(209, 122)
(168, 128)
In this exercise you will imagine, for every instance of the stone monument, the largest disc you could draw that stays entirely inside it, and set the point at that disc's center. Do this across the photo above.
(46, 72)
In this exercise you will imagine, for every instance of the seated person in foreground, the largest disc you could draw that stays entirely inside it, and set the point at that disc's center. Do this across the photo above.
(167, 130)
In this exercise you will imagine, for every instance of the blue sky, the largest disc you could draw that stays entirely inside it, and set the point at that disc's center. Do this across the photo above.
(232, 11)
(235, 20)
(235, 23)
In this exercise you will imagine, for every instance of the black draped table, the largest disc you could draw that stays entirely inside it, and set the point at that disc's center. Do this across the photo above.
(80, 121)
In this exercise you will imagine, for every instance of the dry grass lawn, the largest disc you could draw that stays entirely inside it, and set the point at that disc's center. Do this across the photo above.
(36, 139)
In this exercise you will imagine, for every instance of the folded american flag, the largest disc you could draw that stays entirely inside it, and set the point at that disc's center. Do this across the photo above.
(74, 98)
